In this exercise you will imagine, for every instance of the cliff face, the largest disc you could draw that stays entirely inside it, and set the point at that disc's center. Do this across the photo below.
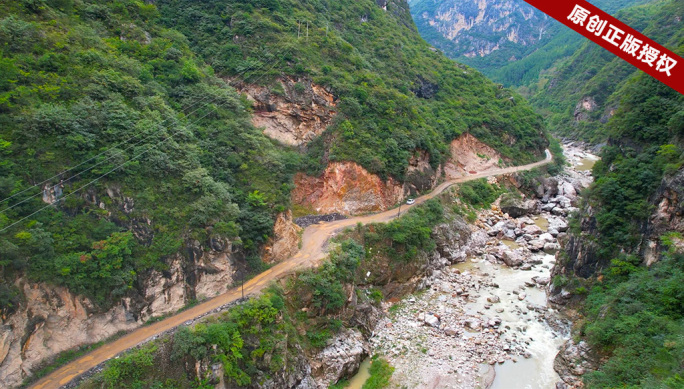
(55, 320)
(582, 251)
(285, 241)
(470, 155)
(478, 28)
(346, 188)
(293, 112)
(668, 216)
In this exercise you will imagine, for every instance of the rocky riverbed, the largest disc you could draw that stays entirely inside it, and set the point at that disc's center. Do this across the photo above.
(485, 322)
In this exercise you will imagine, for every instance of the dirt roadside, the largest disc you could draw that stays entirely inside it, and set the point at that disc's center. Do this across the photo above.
(311, 253)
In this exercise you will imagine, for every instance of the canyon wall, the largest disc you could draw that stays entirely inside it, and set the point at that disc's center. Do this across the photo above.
(479, 28)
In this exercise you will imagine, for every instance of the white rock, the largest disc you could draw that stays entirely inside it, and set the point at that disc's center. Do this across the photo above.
(432, 320)
(546, 237)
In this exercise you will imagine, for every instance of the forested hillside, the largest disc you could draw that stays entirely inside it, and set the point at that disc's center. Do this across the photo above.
(624, 261)
(581, 94)
(130, 167)
(395, 94)
(104, 89)
(509, 40)
(137, 85)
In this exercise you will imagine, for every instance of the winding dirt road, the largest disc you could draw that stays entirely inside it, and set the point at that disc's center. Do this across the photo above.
(314, 241)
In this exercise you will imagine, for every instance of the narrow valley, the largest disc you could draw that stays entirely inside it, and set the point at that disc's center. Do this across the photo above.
(319, 194)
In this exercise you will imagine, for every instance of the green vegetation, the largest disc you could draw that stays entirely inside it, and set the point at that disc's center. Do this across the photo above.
(256, 336)
(396, 95)
(402, 239)
(479, 194)
(380, 373)
(342, 384)
(635, 316)
(633, 313)
(129, 370)
(270, 335)
(326, 282)
(600, 77)
(134, 97)
(78, 79)
(627, 176)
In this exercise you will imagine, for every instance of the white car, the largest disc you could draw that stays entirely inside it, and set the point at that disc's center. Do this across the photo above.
(410, 201)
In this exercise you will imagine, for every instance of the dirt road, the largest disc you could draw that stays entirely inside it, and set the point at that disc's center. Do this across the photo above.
(312, 251)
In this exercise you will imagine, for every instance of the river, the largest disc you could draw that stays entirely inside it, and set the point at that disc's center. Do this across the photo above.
(485, 322)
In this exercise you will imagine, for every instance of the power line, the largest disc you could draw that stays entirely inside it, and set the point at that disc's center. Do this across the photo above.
(80, 164)
(123, 164)
(98, 178)
(198, 101)
(121, 152)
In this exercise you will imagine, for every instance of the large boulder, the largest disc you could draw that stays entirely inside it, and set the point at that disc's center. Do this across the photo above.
(573, 361)
(546, 237)
(533, 230)
(550, 187)
(341, 358)
(536, 245)
(563, 202)
(513, 258)
(558, 224)
(516, 207)
(567, 189)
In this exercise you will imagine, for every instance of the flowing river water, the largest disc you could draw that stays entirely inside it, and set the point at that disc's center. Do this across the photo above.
(542, 340)
(521, 304)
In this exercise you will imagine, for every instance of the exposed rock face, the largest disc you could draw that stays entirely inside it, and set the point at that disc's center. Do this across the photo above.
(53, 319)
(452, 237)
(424, 88)
(668, 216)
(468, 154)
(295, 376)
(286, 241)
(584, 107)
(420, 175)
(295, 113)
(481, 27)
(341, 358)
(573, 361)
(347, 188)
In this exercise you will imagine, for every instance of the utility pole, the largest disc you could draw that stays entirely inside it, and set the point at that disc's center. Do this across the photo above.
(307, 30)
(243, 286)
(399, 214)
(299, 28)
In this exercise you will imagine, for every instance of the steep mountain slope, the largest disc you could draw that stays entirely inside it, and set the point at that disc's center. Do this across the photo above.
(509, 40)
(395, 95)
(480, 28)
(624, 259)
(582, 93)
(174, 191)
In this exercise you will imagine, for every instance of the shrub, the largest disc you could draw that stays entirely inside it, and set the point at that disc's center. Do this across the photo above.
(380, 374)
